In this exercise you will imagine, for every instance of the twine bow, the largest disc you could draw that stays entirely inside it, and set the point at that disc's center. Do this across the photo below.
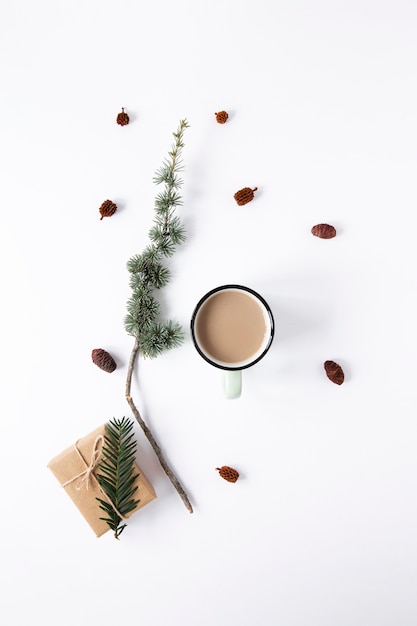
(85, 476)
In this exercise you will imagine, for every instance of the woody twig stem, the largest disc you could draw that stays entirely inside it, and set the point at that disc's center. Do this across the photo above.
(174, 480)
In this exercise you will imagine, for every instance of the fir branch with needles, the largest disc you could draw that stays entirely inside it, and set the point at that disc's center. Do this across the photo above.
(148, 274)
(116, 473)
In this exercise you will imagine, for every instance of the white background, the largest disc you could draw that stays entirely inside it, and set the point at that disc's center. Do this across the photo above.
(321, 528)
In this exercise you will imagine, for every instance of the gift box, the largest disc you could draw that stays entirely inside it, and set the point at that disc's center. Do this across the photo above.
(75, 470)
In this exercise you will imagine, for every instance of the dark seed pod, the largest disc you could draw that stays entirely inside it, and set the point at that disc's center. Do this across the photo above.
(122, 118)
(228, 473)
(107, 209)
(245, 195)
(324, 231)
(103, 360)
(334, 372)
(221, 117)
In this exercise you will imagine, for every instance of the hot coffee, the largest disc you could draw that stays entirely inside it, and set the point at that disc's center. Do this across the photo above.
(231, 326)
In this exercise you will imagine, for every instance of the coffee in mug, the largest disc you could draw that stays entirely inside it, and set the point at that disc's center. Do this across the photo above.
(232, 328)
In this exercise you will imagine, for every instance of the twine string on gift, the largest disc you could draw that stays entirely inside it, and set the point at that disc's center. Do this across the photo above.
(85, 476)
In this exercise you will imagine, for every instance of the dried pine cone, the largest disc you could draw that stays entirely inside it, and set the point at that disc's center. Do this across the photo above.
(122, 118)
(324, 231)
(221, 117)
(103, 360)
(107, 209)
(334, 372)
(228, 473)
(245, 195)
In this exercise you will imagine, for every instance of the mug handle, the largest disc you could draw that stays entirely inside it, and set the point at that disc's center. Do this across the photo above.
(232, 383)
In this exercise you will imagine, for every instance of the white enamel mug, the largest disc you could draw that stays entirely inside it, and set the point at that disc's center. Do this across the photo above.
(232, 328)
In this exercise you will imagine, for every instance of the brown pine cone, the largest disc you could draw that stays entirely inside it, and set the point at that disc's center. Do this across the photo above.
(221, 117)
(103, 360)
(245, 195)
(122, 118)
(228, 473)
(324, 231)
(107, 209)
(334, 372)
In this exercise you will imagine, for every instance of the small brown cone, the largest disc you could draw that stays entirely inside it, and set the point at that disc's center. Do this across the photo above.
(122, 118)
(221, 117)
(324, 231)
(334, 372)
(228, 473)
(245, 195)
(107, 209)
(103, 360)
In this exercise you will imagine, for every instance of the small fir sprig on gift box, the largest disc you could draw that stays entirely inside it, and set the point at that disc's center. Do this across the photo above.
(148, 274)
(116, 473)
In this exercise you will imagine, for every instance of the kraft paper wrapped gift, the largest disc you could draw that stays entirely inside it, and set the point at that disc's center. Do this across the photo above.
(72, 465)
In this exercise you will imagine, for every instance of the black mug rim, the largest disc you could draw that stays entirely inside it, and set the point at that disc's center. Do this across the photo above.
(206, 297)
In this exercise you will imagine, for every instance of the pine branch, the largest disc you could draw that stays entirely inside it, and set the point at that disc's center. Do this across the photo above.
(116, 475)
(147, 274)
(147, 269)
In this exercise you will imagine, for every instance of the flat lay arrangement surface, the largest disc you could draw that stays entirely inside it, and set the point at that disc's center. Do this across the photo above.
(208, 321)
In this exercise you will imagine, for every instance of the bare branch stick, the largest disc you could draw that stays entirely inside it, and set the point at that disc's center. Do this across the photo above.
(174, 480)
